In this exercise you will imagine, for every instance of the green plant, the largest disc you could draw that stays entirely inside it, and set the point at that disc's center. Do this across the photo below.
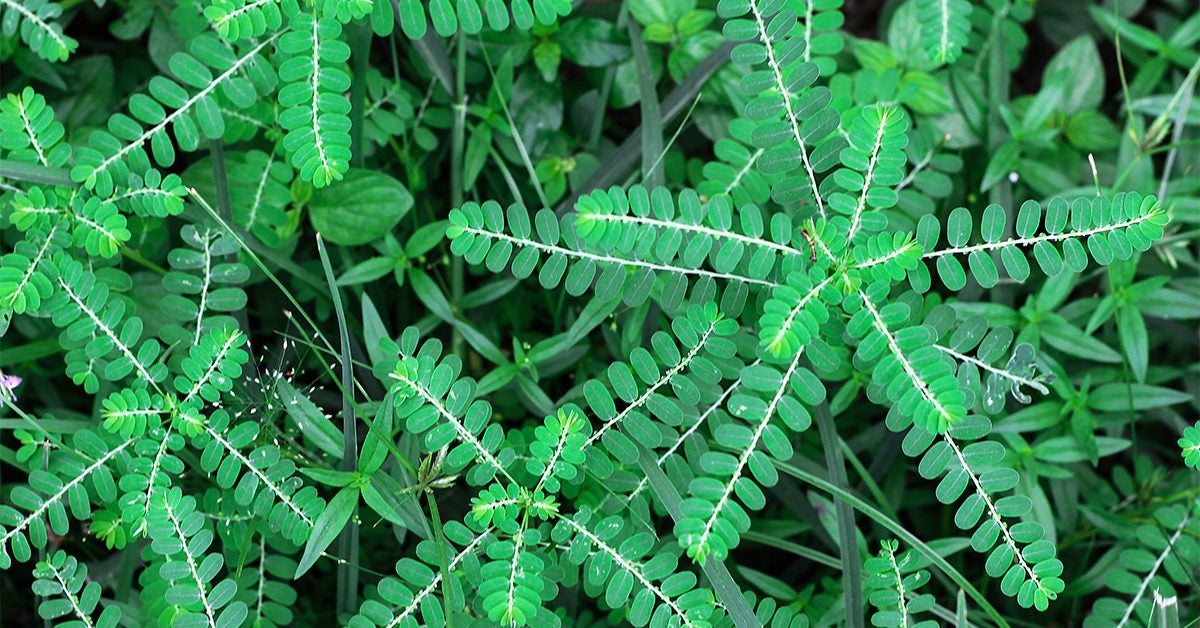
(618, 440)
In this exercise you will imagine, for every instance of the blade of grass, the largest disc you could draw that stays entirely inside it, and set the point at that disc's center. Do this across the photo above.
(652, 124)
(867, 480)
(347, 578)
(36, 173)
(671, 142)
(610, 74)
(999, 91)
(820, 558)
(847, 531)
(1184, 95)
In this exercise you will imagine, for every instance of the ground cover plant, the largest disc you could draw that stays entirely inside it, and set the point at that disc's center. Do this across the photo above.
(643, 312)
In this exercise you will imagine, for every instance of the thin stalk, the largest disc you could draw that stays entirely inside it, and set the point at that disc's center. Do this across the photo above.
(1187, 89)
(516, 135)
(136, 256)
(507, 175)
(457, 146)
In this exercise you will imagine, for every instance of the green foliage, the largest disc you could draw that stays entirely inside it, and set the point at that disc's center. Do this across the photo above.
(1151, 561)
(337, 360)
(115, 156)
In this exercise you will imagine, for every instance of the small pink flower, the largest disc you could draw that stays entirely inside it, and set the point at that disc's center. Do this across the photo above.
(8, 385)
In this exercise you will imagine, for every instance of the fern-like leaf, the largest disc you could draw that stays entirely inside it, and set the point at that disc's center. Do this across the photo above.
(412, 592)
(259, 193)
(1160, 558)
(1111, 228)
(713, 519)
(631, 223)
(945, 25)
(97, 328)
(34, 20)
(918, 381)
(655, 386)
(181, 536)
(261, 479)
(114, 154)
(892, 581)
(615, 564)
(797, 123)
(63, 583)
(26, 278)
(442, 407)
(477, 232)
(1018, 554)
(735, 173)
(315, 111)
(29, 132)
(872, 163)
(236, 19)
(50, 492)
(201, 284)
